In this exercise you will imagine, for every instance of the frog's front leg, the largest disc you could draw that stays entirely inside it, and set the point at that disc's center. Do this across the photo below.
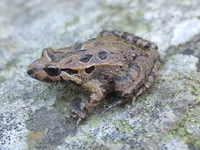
(97, 94)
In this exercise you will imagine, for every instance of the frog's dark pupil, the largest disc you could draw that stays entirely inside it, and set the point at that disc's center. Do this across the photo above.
(52, 70)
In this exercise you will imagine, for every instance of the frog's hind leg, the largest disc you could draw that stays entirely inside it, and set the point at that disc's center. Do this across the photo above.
(119, 102)
(123, 91)
(150, 79)
(140, 42)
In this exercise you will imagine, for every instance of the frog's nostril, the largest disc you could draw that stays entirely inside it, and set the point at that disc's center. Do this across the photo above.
(30, 72)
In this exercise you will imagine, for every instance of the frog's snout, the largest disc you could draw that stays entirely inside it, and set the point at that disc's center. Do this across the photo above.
(30, 70)
(33, 69)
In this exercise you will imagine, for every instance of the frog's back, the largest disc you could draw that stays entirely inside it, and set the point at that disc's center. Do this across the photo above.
(107, 51)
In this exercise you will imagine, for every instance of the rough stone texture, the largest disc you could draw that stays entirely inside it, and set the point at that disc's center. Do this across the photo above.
(33, 114)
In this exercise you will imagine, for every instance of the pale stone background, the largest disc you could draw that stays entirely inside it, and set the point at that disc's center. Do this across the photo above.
(32, 113)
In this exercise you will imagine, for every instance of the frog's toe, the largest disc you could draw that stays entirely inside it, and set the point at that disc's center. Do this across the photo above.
(77, 115)
(81, 117)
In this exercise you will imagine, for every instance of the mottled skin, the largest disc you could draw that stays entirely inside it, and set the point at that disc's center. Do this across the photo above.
(114, 61)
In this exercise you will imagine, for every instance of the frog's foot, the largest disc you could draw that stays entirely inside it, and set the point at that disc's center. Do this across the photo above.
(111, 106)
(119, 102)
(80, 115)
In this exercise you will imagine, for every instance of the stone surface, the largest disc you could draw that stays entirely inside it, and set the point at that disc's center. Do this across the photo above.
(33, 114)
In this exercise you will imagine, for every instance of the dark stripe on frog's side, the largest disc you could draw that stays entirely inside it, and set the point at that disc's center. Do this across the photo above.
(70, 71)
(90, 69)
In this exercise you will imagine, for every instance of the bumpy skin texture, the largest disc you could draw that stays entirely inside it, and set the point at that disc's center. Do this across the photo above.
(114, 61)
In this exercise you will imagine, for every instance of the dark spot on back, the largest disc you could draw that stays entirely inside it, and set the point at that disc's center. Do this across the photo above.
(135, 39)
(125, 35)
(102, 55)
(70, 71)
(121, 78)
(148, 45)
(134, 66)
(86, 58)
(78, 47)
(90, 69)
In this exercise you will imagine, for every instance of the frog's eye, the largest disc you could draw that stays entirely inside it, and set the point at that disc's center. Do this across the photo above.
(52, 70)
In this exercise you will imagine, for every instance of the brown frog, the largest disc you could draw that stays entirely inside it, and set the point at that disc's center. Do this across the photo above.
(114, 61)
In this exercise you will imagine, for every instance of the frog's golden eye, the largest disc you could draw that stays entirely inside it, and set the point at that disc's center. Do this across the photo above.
(52, 70)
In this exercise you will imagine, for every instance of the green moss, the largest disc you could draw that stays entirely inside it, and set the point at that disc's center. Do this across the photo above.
(181, 131)
(193, 84)
(122, 126)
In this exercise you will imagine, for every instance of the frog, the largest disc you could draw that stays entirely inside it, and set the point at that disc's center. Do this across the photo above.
(113, 62)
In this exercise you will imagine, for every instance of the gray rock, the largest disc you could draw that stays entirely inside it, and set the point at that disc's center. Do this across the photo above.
(33, 114)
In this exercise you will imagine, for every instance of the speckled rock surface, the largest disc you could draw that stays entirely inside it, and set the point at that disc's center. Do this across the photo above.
(32, 113)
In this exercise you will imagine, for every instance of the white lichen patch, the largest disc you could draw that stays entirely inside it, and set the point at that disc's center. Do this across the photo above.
(185, 30)
(179, 66)
(175, 144)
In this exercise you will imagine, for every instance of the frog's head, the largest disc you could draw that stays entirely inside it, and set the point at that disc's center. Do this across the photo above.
(48, 68)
